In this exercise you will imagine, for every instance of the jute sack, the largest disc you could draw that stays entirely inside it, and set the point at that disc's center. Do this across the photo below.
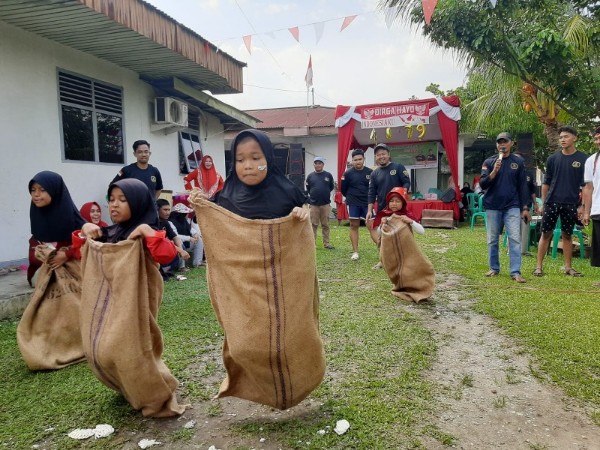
(121, 293)
(409, 270)
(263, 287)
(48, 334)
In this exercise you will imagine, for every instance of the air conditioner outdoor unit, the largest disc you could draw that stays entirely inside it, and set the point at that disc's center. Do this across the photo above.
(170, 111)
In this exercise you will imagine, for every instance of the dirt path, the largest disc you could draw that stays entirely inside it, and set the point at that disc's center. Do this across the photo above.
(490, 397)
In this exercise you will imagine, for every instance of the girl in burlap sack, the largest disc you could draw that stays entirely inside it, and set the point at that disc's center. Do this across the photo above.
(408, 268)
(53, 217)
(48, 333)
(262, 279)
(121, 294)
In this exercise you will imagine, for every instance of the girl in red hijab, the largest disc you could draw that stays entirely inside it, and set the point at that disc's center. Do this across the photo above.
(205, 178)
(92, 213)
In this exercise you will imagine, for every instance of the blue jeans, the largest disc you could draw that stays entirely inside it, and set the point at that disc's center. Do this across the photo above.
(496, 221)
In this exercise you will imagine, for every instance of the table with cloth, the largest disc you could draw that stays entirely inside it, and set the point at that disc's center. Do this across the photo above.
(416, 207)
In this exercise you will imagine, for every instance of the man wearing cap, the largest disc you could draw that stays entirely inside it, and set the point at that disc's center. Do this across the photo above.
(319, 185)
(591, 201)
(506, 201)
(560, 195)
(355, 187)
(384, 178)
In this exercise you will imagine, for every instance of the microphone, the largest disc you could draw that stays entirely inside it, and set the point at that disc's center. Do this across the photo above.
(500, 156)
(261, 168)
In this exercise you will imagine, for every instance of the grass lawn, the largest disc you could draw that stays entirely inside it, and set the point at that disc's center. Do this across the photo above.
(376, 351)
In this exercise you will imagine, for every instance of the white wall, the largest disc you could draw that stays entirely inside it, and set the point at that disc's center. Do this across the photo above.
(31, 134)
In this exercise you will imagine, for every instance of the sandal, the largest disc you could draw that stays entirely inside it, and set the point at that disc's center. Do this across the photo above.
(491, 273)
(518, 278)
(572, 273)
(538, 272)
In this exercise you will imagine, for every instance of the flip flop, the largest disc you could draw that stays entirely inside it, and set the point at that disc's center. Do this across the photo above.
(538, 272)
(491, 273)
(572, 273)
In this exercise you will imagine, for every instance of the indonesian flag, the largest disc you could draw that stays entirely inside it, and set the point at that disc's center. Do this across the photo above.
(309, 73)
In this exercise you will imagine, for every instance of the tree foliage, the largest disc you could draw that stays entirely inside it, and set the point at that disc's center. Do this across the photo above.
(551, 45)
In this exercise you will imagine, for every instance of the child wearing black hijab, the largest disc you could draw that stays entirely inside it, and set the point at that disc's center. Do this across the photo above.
(132, 208)
(53, 217)
(255, 188)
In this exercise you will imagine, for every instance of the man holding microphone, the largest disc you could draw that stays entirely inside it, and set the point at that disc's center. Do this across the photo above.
(506, 201)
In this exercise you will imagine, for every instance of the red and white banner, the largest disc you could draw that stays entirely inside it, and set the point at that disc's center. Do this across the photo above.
(309, 73)
(395, 115)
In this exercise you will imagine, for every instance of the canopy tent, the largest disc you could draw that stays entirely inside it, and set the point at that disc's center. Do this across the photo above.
(411, 121)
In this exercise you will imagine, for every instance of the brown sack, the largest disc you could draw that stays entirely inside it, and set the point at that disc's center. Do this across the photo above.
(120, 295)
(48, 333)
(263, 287)
(409, 269)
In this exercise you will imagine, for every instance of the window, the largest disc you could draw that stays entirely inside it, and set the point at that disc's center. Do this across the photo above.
(190, 151)
(92, 119)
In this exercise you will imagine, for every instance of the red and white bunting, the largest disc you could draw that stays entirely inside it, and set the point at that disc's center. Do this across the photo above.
(295, 32)
(319, 29)
(428, 8)
(347, 21)
(248, 43)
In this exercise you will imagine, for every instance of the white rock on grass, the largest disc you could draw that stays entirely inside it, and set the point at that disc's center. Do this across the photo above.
(190, 424)
(103, 430)
(212, 447)
(81, 433)
(100, 431)
(145, 443)
(341, 426)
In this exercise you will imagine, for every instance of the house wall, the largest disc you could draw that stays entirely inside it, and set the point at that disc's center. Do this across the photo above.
(31, 138)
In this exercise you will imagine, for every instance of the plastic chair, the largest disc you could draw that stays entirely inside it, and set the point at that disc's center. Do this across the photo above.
(417, 196)
(435, 191)
(480, 213)
(472, 204)
(556, 236)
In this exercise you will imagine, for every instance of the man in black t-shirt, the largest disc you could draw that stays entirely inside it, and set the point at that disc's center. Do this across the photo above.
(164, 211)
(355, 187)
(561, 197)
(319, 185)
(141, 169)
(384, 178)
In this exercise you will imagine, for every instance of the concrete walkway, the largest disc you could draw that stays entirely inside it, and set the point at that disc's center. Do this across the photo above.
(15, 293)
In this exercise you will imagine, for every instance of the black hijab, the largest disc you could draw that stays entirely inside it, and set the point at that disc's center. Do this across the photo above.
(57, 221)
(143, 210)
(274, 197)
(181, 223)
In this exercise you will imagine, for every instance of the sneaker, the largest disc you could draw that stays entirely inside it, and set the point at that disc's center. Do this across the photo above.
(354, 256)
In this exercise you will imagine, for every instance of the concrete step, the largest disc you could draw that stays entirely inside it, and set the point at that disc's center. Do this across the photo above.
(15, 293)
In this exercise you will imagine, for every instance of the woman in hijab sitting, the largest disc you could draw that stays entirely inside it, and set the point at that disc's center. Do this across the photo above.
(92, 213)
(205, 178)
(53, 217)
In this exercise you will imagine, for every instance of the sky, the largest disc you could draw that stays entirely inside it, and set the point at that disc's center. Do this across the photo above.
(367, 62)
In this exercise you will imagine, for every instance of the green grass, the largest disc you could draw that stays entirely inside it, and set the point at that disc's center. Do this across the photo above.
(376, 351)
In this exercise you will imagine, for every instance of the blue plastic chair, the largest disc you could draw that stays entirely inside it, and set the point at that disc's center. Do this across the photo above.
(480, 213)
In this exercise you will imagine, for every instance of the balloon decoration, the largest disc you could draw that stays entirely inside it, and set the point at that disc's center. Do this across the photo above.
(409, 131)
(388, 134)
(421, 130)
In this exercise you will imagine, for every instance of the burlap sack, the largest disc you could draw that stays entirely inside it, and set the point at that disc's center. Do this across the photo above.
(48, 333)
(410, 271)
(121, 292)
(263, 286)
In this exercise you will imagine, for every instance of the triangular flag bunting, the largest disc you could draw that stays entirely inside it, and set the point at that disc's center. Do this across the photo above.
(271, 34)
(248, 42)
(309, 73)
(428, 8)
(319, 28)
(295, 32)
(493, 2)
(347, 21)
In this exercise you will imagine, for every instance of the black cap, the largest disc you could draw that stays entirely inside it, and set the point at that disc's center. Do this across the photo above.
(504, 135)
(383, 146)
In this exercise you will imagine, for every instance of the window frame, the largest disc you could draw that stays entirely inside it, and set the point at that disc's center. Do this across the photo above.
(94, 111)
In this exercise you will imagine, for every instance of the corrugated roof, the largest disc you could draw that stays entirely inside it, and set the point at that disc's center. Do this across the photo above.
(294, 117)
(132, 34)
